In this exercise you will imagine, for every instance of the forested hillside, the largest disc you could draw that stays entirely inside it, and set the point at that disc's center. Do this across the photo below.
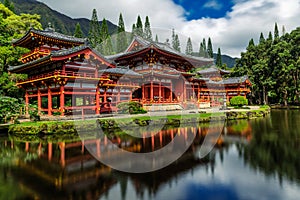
(61, 22)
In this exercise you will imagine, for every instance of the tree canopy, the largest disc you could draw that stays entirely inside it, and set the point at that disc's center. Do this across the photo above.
(273, 66)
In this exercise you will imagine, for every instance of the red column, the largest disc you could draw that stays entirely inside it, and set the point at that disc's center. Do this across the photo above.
(97, 101)
(49, 101)
(184, 91)
(62, 100)
(104, 100)
(143, 92)
(26, 102)
(198, 91)
(159, 92)
(171, 94)
(39, 100)
(151, 91)
(119, 95)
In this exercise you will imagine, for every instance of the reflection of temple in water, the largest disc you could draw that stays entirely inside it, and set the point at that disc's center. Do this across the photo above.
(67, 169)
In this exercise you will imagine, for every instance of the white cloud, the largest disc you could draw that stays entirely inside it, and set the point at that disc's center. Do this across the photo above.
(213, 4)
(231, 33)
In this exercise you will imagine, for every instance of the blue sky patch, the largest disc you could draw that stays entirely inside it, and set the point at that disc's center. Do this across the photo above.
(196, 9)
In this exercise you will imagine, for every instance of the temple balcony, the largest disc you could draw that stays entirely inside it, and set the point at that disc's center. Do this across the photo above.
(34, 54)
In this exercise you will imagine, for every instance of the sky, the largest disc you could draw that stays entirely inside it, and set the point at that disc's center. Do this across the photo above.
(230, 24)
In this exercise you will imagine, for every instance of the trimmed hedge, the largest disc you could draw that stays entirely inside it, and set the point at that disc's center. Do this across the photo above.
(238, 101)
(131, 107)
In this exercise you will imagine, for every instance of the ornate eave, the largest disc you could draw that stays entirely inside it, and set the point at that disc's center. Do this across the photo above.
(62, 55)
(38, 36)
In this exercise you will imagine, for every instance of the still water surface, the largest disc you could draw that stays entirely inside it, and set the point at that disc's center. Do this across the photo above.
(255, 159)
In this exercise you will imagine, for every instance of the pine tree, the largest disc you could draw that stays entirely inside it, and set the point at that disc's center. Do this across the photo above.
(189, 47)
(219, 59)
(251, 43)
(121, 37)
(156, 38)
(106, 45)
(210, 49)
(78, 32)
(173, 39)
(276, 32)
(147, 31)
(283, 30)
(205, 55)
(270, 37)
(201, 50)
(94, 31)
(133, 31)
(261, 38)
(177, 43)
(139, 27)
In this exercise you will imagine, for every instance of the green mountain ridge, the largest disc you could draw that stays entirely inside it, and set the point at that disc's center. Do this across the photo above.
(62, 23)
(66, 25)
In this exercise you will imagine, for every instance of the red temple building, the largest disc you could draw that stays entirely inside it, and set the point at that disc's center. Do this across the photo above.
(67, 76)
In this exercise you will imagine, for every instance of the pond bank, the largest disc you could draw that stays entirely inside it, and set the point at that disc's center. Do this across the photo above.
(111, 122)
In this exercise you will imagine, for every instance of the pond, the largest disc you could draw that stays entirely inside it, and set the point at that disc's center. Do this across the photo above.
(251, 159)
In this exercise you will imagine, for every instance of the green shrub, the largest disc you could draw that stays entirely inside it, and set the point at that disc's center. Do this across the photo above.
(9, 108)
(238, 101)
(131, 107)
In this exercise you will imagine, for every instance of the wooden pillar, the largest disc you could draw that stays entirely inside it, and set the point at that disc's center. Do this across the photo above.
(184, 91)
(49, 101)
(171, 93)
(151, 91)
(198, 96)
(130, 95)
(119, 95)
(26, 102)
(104, 96)
(159, 92)
(39, 100)
(62, 100)
(143, 92)
(97, 101)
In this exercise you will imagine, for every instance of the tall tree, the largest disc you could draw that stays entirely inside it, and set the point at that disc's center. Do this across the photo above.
(147, 31)
(78, 31)
(189, 47)
(283, 30)
(95, 30)
(133, 31)
(270, 37)
(276, 32)
(139, 27)
(106, 44)
(156, 38)
(121, 37)
(177, 43)
(261, 38)
(173, 39)
(210, 49)
(219, 59)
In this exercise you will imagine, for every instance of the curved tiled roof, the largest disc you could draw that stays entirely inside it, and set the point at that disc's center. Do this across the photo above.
(120, 71)
(231, 80)
(161, 46)
(59, 53)
(49, 34)
(213, 69)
